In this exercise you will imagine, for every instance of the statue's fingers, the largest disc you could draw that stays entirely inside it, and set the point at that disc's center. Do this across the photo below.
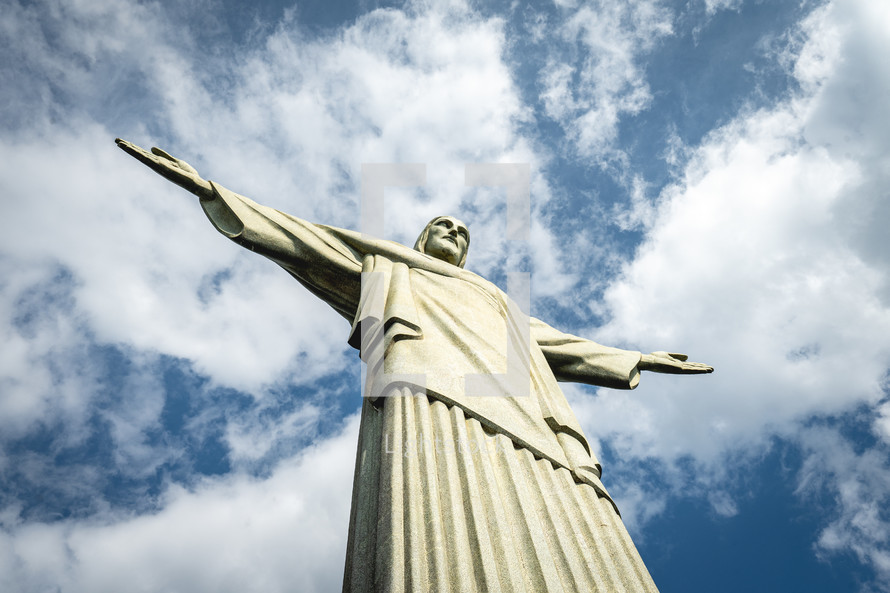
(127, 146)
(163, 154)
(187, 167)
(678, 356)
(137, 152)
(172, 160)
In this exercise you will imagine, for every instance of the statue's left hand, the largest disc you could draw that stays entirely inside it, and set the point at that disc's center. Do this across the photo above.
(170, 167)
(672, 363)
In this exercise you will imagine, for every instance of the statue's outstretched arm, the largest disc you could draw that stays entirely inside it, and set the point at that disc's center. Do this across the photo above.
(580, 360)
(315, 255)
(177, 171)
(672, 363)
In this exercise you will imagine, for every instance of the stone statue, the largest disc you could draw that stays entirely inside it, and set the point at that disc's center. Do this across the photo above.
(454, 490)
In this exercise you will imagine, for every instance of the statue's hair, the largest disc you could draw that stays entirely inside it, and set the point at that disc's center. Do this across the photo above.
(420, 244)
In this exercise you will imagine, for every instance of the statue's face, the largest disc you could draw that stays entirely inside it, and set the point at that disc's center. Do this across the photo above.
(447, 240)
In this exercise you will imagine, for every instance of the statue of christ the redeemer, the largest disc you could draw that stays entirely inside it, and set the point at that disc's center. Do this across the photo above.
(454, 490)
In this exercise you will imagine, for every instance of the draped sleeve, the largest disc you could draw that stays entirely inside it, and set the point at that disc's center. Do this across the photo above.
(578, 360)
(314, 254)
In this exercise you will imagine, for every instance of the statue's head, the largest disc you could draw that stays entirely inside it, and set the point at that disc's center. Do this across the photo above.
(445, 238)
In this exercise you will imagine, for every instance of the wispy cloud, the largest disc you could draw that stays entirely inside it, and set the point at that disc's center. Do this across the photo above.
(595, 74)
(858, 483)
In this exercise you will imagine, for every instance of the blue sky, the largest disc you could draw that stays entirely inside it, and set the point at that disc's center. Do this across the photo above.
(708, 177)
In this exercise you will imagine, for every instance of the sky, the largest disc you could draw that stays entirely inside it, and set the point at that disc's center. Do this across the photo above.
(707, 176)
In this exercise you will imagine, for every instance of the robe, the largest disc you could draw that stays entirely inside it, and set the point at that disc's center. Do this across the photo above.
(472, 472)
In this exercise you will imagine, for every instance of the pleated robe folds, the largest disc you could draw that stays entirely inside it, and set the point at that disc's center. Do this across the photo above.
(472, 472)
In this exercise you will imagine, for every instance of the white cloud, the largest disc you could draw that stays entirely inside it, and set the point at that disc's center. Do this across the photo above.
(637, 505)
(641, 213)
(750, 266)
(859, 484)
(712, 6)
(252, 437)
(597, 77)
(882, 422)
(283, 533)
(43, 369)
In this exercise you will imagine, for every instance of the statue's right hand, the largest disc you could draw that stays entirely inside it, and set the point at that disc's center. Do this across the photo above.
(170, 167)
(672, 363)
